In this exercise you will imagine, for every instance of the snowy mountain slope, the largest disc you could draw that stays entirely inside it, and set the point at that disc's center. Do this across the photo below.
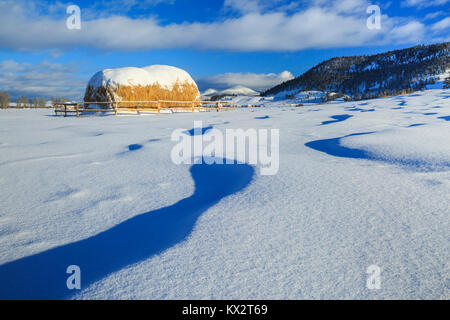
(209, 93)
(234, 91)
(379, 75)
(240, 90)
(309, 231)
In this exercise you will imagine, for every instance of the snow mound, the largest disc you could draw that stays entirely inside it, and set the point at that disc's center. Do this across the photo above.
(419, 146)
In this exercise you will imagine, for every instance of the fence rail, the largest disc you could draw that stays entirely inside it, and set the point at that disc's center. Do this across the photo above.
(154, 106)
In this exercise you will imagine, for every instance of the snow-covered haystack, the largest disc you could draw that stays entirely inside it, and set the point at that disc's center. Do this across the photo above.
(152, 83)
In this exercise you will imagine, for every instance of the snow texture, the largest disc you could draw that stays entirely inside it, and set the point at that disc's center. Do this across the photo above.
(103, 193)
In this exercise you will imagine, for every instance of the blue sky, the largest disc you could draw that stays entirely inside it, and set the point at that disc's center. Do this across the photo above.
(256, 43)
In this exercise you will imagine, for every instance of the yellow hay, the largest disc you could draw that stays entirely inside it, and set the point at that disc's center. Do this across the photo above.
(180, 92)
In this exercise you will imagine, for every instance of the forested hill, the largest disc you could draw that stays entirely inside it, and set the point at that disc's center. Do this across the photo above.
(377, 75)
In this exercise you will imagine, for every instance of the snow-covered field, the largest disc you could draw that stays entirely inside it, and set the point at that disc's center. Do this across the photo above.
(359, 184)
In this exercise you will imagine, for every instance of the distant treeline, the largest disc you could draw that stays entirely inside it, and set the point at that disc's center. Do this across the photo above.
(24, 102)
(364, 77)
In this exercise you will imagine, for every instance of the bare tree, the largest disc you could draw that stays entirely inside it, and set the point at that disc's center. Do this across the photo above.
(5, 99)
(42, 102)
(22, 102)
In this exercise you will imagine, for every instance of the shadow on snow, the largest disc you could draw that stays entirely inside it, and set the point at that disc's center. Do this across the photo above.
(333, 147)
(193, 133)
(337, 118)
(43, 275)
(133, 147)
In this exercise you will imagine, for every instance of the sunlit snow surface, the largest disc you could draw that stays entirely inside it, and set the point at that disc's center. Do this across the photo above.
(103, 193)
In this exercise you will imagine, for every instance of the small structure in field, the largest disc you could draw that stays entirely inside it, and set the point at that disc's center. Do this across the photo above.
(142, 87)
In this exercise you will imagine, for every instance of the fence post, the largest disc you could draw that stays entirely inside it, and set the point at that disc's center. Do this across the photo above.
(65, 110)
(218, 106)
(76, 108)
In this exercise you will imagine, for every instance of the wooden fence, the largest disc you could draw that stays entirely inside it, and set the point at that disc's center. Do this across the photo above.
(142, 106)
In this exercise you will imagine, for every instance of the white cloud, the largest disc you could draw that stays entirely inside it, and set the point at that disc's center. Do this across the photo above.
(433, 15)
(243, 6)
(44, 79)
(260, 6)
(255, 81)
(410, 32)
(350, 6)
(442, 25)
(424, 3)
(104, 8)
(323, 24)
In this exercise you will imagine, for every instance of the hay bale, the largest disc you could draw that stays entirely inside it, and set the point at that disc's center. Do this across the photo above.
(152, 83)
